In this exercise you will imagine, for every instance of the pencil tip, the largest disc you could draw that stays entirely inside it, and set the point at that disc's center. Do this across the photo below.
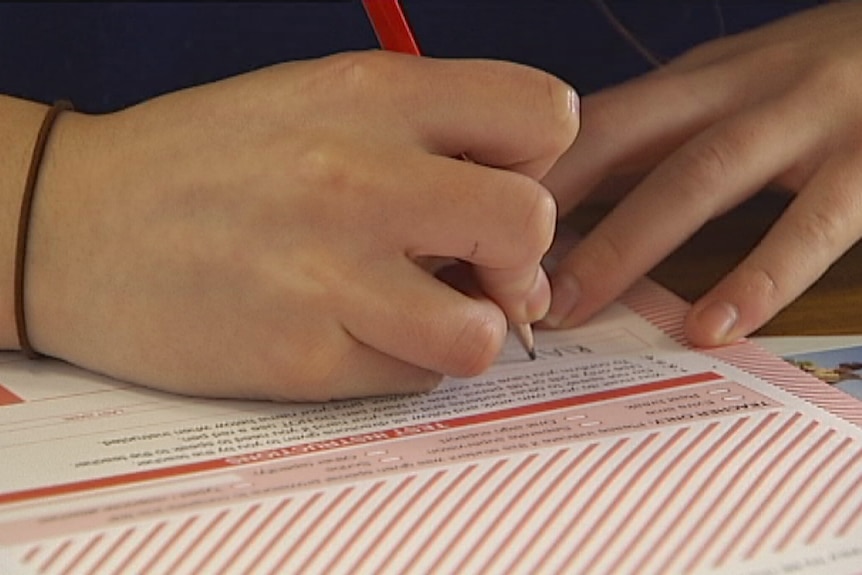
(525, 335)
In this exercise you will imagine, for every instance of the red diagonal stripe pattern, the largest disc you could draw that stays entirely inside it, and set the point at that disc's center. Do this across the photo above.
(731, 489)
(666, 311)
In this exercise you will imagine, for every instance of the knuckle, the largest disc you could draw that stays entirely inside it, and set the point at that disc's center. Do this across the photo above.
(324, 165)
(762, 284)
(700, 166)
(475, 347)
(821, 228)
(360, 72)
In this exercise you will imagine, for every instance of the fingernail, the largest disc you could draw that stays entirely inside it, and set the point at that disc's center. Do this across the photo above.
(566, 103)
(539, 297)
(565, 293)
(574, 101)
(718, 319)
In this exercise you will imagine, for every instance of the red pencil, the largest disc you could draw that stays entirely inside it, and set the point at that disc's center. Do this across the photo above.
(391, 27)
(394, 34)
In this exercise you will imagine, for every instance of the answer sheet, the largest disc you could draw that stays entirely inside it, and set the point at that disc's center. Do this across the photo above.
(619, 450)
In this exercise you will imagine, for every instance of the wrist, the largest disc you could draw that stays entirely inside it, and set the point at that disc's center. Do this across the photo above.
(21, 120)
(55, 264)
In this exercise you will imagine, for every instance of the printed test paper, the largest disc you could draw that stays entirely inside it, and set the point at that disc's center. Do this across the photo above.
(618, 450)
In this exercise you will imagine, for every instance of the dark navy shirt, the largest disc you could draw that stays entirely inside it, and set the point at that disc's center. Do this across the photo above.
(106, 56)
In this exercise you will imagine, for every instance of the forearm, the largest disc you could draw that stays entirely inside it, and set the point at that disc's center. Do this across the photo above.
(19, 123)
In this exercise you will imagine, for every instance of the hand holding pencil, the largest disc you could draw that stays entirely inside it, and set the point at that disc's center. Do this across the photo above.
(272, 230)
(394, 33)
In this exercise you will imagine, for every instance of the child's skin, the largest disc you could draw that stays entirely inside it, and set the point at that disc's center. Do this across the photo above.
(268, 235)
(778, 106)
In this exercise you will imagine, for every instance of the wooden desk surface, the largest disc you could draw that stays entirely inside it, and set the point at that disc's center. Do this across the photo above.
(833, 306)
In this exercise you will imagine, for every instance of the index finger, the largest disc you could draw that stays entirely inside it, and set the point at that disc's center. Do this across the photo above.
(499, 114)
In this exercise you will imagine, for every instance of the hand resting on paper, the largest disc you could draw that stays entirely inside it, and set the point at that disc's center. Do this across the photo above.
(779, 106)
(267, 236)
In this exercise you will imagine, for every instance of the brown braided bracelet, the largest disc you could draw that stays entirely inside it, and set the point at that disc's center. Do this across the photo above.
(24, 222)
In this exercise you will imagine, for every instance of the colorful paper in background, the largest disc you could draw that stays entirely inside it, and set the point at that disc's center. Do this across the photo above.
(841, 368)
